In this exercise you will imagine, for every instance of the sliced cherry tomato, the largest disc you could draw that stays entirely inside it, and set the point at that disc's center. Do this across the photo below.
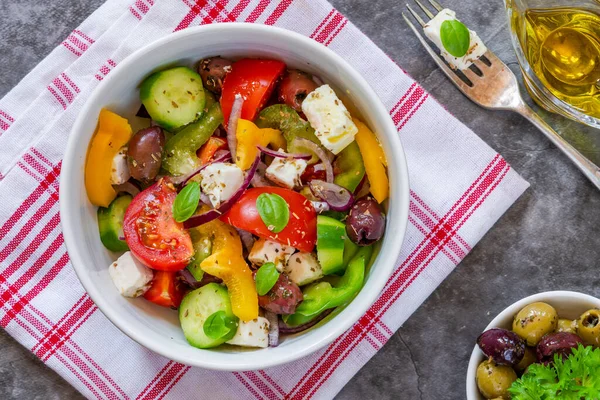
(309, 174)
(165, 290)
(208, 149)
(254, 80)
(301, 230)
(151, 232)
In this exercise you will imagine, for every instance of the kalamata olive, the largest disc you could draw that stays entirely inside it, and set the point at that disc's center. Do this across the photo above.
(366, 222)
(494, 380)
(502, 346)
(588, 327)
(561, 343)
(144, 153)
(294, 88)
(213, 71)
(282, 298)
(534, 321)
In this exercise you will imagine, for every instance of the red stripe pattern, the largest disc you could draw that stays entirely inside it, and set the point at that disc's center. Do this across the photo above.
(33, 255)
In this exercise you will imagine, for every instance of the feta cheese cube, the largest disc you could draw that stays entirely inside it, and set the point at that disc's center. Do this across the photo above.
(220, 181)
(476, 47)
(265, 251)
(130, 276)
(119, 171)
(329, 117)
(254, 333)
(286, 172)
(303, 268)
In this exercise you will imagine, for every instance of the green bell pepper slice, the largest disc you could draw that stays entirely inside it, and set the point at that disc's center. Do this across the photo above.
(351, 167)
(179, 156)
(287, 120)
(202, 250)
(321, 296)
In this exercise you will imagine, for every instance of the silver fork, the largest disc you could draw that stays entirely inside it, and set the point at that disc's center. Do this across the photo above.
(494, 86)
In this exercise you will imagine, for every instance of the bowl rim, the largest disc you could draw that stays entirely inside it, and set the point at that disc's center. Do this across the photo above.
(555, 296)
(385, 261)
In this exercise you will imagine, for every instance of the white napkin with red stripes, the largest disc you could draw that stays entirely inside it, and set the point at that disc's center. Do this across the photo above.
(459, 188)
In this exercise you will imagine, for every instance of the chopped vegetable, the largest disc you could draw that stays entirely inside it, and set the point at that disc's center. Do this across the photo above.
(165, 290)
(227, 262)
(152, 233)
(179, 156)
(202, 249)
(374, 160)
(287, 120)
(110, 224)
(208, 149)
(331, 237)
(349, 167)
(321, 296)
(113, 133)
(195, 309)
(249, 137)
(254, 80)
(174, 97)
(301, 230)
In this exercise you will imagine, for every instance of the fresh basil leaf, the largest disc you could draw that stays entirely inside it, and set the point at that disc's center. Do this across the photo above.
(455, 37)
(274, 211)
(266, 277)
(186, 202)
(219, 325)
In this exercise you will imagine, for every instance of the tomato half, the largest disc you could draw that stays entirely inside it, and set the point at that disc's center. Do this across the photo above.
(151, 232)
(165, 290)
(301, 230)
(208, 149)
(254, 80)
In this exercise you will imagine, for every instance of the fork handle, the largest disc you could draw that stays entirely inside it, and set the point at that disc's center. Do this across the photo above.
(589, 169)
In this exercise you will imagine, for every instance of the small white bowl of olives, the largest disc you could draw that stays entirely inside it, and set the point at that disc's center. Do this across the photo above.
(531, 330)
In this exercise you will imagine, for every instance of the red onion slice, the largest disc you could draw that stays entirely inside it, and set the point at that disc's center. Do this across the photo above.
(197, 220)
(338, 198)
(273, 328)
(247, 239)
(281, 154)
(259, 180)
(283, 328)
(236, 113)
(320, 206)
(312, 146)
(222, 157)
(128, 187)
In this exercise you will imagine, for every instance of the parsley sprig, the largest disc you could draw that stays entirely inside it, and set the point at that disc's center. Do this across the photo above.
(577, 377)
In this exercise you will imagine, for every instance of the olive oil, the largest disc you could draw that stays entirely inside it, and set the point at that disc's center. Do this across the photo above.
(562, 46)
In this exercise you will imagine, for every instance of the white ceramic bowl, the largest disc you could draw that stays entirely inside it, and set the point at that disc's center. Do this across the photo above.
(158, 328)
(568, 305)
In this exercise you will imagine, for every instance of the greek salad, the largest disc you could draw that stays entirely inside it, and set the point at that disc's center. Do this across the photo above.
(250, 202)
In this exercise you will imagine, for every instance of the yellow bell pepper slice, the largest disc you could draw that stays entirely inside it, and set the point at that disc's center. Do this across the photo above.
(113, 133)
(227, 262)
(374, 159)
(249, 136)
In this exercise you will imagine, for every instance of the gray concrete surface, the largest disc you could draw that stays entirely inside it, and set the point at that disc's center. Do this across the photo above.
(549, 240)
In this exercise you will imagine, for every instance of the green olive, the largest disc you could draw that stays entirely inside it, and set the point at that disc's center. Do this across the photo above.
(534, 321)
(526, 361)
(588, 327)
(494, 380)
(566, 325)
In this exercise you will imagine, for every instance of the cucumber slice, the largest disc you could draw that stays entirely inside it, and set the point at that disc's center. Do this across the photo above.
(196, 307)
(331, 237)
(174, 97)
(110, 223)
